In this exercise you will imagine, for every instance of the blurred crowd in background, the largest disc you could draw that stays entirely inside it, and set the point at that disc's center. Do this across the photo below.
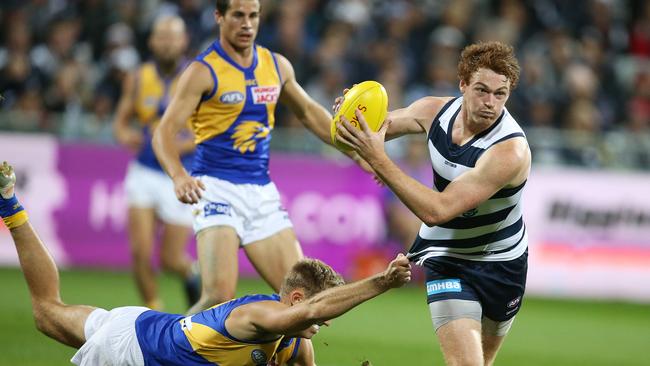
(585, 64)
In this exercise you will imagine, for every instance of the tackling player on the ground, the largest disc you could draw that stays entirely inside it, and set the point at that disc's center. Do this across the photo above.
(150, 192)
(248, 331)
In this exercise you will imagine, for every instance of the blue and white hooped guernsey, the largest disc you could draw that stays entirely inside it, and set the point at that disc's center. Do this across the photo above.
(493, 231)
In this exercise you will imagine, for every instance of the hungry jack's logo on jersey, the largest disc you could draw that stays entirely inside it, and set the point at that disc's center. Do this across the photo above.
(247, 134)
(265, 94)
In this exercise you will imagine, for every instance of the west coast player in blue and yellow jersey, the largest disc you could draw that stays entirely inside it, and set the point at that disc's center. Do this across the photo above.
(230, 93)
(257, 330)
(150, 192)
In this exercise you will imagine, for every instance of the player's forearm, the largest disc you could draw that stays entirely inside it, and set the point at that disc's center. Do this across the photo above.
(336, 301)
(317, 119)
(167, 152)
(121, 125)
(420, 199)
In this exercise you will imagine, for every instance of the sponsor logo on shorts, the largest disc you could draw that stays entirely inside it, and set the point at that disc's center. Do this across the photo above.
(233, 97)
(186, 323)
(259, 357)
(265, 94)
(514, 302)
(441, 286)
(216, 208)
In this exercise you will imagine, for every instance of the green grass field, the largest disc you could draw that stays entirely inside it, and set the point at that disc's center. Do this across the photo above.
(393, 329)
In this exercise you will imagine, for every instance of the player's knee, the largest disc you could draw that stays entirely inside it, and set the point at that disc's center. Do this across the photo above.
(140, 255)
(173, 263)
(463, 359)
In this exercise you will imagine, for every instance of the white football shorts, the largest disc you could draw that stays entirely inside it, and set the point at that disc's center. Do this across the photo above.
(111, 338)
(150, 188)
(253, 210)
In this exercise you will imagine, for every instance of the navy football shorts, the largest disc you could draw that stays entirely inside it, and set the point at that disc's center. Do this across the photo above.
(497, 286)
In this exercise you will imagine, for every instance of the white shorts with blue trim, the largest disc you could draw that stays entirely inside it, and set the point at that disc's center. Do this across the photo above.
(150, 188)
(111, 339)
(253, 210)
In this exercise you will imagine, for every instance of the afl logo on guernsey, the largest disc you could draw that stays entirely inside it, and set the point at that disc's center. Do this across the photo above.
(233, 97)
(259, 357)
(265, 94)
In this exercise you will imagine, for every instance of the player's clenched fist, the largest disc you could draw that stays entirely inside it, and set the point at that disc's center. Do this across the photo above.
(188, 189)
(398, 272)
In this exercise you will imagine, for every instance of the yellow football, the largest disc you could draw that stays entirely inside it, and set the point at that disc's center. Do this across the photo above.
(371, 99)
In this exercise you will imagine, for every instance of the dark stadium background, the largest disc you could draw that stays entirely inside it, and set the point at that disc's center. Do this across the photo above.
(583, 99)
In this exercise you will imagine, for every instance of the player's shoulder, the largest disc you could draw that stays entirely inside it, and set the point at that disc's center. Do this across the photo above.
(198, 72)
(428, 107)
(431, 103)
(284, 66)
(513, 153)
(281, 59)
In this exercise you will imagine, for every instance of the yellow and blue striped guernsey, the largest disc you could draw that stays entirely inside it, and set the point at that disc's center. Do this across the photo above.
(233, 123)
(202, 339)
(152, 96)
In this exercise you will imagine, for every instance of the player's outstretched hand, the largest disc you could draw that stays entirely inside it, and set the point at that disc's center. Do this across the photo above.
(398, 272)
(188, 189)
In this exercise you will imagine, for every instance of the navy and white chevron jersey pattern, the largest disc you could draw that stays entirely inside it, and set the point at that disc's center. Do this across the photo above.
(493, 231)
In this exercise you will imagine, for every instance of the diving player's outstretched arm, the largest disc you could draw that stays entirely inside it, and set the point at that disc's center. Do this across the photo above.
(266, 319)
(195, 81)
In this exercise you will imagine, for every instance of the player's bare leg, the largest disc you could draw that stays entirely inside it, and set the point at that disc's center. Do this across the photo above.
(494, 332)
(274, 256)
(460, 341)
(491, 345)
(217, 249)
(142, 223)
(174, 258)
(65, 323)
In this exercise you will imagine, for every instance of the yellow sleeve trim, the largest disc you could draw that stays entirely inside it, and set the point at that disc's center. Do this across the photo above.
(16, 220)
